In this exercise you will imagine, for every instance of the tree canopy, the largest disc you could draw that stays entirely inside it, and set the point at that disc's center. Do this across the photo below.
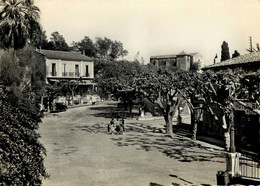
(58, 42)
(86, 46)
(224, 51)
(235, 54)
(17, 19)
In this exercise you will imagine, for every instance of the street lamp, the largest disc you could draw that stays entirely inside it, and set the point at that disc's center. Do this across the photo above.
(232, 132)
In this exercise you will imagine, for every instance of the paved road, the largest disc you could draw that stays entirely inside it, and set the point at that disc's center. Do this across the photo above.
(80, 152)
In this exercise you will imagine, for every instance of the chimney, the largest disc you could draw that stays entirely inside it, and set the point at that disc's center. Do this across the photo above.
(83, 52)
(216, 59)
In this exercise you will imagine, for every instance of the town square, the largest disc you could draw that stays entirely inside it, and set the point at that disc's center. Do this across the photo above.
(129, 92)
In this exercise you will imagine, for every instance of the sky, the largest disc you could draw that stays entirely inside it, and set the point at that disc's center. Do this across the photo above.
(157, 27)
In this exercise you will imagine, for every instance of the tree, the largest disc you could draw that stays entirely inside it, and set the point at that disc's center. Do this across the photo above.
(195, 66)
(59, 42)
(103, 47)
(21, 152)
(86, 46)
(16, 22)
(25, 69)
(221, 90)
(108, 49)
(117, 50)
(224, 51)
(236, 54)
(161, 89)
(118, 82)
(39, 38)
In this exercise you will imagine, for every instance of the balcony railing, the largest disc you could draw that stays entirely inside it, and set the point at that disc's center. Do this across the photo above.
(69, 74)
(53, 73)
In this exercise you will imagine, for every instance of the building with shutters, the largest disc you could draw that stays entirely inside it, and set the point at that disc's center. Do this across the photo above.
(70, 67)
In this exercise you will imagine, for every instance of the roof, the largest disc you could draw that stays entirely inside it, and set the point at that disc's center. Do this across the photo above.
(65, 55)
(253, 57)
(183, 54)
(174, 55)
(164, 56)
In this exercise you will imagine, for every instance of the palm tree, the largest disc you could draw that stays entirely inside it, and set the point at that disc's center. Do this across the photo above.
(17, 18)
(32, 17)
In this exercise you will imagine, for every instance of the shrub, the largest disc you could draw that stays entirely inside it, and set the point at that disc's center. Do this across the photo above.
(21, 154)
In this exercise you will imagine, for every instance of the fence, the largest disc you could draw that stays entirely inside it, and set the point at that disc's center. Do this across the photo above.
(249, 166)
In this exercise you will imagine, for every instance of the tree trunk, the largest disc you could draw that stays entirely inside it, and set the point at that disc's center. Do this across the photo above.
(130, 109)
(72, 95)
(168, 122)
(48, 105)
(194, 125)
(194, 130)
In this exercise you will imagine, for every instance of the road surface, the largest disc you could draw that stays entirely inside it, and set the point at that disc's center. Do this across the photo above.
(81, 152)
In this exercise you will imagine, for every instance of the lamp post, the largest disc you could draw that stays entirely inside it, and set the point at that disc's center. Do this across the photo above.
(232, 132)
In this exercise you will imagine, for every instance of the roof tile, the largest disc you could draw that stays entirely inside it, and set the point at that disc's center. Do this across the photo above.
(65, 55)
(243, 59)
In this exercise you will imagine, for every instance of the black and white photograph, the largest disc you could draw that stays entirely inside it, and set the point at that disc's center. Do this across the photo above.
(129, 92)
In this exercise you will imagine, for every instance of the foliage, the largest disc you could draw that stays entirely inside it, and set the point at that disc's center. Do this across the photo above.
(16, 22)
(195, 66)
(236, 54)
(108, 49)
(57, 42)
(117, 50)
(116, 75)
(168, 89)
(86, 46)
(39, 37)
(103, 47)
(21, 154)
(250, 87)
(224, 51)
(25, 69)
(117, 78)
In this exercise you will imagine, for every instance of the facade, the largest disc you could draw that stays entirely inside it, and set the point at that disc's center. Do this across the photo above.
(249, 62)
(181, 61)
(70, 66)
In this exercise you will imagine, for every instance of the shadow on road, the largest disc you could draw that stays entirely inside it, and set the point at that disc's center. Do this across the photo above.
(143, 136)
(112, 112)
(148, 138)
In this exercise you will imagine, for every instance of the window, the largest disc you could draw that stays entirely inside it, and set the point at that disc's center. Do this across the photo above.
(53, 69)
(87, 72)
(64, 70)
(76, 70)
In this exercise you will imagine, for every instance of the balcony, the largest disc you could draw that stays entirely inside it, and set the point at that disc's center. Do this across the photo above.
(70, 74)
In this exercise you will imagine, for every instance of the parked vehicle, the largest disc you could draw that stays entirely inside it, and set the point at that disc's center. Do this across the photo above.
(59, 107)
(76, 102)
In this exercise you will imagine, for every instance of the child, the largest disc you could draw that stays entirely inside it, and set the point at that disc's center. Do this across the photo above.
(111, 126)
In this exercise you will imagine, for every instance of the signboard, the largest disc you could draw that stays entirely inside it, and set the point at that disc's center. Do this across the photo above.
(240, 107)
